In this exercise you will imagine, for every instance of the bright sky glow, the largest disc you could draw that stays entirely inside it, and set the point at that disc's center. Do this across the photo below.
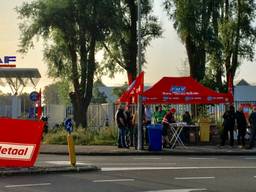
(165, 56)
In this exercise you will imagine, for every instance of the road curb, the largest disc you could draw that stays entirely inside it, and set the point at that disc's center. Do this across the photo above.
(46, 170)
(147, 153)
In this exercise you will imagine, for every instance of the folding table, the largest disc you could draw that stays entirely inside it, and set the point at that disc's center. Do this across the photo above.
(176, 129)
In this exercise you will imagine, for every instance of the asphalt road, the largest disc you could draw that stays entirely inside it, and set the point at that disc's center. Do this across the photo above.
(143, 174)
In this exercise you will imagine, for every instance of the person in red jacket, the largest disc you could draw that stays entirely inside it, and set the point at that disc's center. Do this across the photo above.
(168, 118)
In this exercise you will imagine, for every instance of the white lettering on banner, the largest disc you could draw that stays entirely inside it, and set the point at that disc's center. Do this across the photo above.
(16, 151)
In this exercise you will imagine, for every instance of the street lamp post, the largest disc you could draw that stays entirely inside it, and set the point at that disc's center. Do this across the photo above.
(139, 141)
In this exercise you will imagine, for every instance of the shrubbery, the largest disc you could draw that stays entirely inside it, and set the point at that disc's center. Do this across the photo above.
(81, 136)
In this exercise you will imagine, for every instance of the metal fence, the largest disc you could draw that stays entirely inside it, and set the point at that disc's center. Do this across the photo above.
(100, 115)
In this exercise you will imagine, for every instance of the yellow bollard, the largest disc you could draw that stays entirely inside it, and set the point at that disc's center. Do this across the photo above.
(71, 150)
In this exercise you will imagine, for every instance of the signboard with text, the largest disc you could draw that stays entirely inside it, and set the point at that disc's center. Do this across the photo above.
(8, 61)
(19, 142)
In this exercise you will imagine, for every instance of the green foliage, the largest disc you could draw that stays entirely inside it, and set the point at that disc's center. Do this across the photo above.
(217, 35)
(102, 136)
(57, 93)
(237, 34)
(192, 21)
(121, 45)
(72, 30)
(56, 137)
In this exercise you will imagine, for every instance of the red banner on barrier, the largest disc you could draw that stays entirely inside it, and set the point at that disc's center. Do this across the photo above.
(19, 142)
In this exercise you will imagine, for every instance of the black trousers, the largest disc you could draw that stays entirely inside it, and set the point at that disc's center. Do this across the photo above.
(146, 132)
(225, 136)
(253, 135)
(241, 136)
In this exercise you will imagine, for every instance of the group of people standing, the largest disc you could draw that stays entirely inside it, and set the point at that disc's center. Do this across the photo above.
(127, 122)
(232, 118)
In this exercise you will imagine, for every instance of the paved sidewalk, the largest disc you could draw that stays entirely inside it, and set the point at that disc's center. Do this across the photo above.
(113, 150)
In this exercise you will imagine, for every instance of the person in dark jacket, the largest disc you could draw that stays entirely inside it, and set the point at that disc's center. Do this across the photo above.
(252, 120)
(229, 125)
(187, 118)
(129, 131)
(121, 121)
(241, 126)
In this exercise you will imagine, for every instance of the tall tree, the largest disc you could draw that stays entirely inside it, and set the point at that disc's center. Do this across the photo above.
(121, 48)
(192, 21)
(237, 33)
(72, 29)
(215, 70)
(215, 32)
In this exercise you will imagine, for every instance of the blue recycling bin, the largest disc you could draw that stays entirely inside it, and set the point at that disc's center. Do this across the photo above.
(155, 137)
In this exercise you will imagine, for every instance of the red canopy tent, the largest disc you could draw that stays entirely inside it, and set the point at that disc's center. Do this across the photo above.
(183, 90)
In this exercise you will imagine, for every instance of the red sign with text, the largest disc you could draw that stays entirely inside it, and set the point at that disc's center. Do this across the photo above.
(19, 142)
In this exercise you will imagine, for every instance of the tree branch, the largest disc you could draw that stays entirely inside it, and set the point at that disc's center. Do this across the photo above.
(119, 62)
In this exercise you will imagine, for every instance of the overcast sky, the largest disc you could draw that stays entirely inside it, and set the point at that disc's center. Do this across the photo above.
(165, 56)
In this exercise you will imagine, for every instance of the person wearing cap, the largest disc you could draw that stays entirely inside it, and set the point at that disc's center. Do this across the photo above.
(168, 118)
(252, 120)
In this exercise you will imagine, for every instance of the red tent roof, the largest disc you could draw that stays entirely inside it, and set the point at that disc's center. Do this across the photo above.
(183, 90)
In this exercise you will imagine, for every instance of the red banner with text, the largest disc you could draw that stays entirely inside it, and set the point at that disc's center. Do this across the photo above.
(19, 142)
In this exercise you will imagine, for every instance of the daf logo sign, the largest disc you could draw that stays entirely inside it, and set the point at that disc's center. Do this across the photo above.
(178, 89)
(8, 61)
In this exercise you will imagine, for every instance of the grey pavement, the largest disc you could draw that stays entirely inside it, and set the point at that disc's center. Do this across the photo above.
(39, 170)
(101, 150)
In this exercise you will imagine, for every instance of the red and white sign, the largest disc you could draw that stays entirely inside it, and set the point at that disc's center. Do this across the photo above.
(19, 142)
(135, 88)
(16, 151)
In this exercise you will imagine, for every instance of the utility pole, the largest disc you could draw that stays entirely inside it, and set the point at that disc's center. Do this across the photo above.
(139, 141)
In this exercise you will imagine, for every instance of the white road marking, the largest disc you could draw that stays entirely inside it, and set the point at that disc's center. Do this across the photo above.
(106, 164)
(254, 176)
(112, 180)
(171, 168)
(65, 163)
(202, 158)
(179, 190)
(27, 185)
(191, 178)
(134, 164)
(147, 158)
